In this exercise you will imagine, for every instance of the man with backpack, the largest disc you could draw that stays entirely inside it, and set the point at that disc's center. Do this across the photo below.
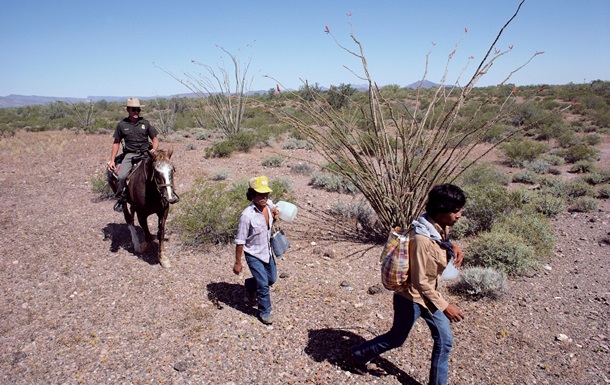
(429, 253)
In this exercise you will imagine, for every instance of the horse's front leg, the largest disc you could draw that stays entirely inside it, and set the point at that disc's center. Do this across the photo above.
(142, 219)
(163, 260)
(129, 218)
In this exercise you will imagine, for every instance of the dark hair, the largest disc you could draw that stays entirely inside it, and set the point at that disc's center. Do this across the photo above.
(250, 194)
(445, 198)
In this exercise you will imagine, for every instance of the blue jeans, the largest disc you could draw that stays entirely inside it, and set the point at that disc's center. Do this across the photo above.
(406, 312)
(264, 276)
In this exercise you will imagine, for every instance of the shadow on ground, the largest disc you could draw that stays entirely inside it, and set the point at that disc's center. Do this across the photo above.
(332, 345)
(230, 294)
(120, 238)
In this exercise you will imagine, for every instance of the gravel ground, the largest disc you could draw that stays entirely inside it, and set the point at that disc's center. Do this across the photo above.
(79, 307)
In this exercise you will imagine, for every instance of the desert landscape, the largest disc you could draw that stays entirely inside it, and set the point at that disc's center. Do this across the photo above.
(78, 306)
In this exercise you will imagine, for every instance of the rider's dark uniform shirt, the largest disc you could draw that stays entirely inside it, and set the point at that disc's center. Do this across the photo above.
(135, 135)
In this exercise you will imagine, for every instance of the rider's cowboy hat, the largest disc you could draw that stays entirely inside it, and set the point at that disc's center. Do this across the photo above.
(134, 102)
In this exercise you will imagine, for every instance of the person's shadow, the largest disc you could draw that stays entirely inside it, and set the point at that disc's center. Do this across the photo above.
(333, 345)
(230, 294)
(120, 238)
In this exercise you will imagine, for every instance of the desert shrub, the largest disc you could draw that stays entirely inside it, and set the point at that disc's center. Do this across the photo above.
(592, 139)
(584, 204)
(579, 152)
(527, 177)
(359, 209)
(243, 140)
(282, 190)
(484, 173)
(274, 160)
(549, 205)
(534, 228)
(481, 282)
(502, 251)
(301, 168)
(209, 212)
(553, 186)
(553, 160)
(597, 177)
(461, 228)
(332, 182)
(202, 134)
(221, 174)
(567, 139)
(539, 166)
(604, 191)
(100, 187)
(190, 146)
(575, 189)
(522, 197)
(293, 144)
(582, 167)
(485, 205)
(222, 149)
(518, 152)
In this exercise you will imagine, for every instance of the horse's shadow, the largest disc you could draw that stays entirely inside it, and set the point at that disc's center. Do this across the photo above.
(230, 294)
(333, 345)
(120, 238)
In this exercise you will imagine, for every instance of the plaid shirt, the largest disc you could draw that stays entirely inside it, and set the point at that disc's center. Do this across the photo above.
(253, 233)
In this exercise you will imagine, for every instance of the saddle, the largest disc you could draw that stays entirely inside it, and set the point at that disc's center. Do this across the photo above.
(136, 161)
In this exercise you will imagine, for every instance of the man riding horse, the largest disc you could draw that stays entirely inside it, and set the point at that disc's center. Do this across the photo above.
(134, 131)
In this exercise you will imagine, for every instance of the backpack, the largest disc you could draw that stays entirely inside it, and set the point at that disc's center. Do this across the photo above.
(395, 260)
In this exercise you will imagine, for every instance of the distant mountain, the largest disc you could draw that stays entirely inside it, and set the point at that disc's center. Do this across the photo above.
(425, 85)
(28, 100)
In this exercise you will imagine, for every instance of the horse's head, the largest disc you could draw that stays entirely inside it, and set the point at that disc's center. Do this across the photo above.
(163, 171)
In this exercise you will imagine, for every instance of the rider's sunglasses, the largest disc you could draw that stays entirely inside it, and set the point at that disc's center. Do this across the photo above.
(136, 109)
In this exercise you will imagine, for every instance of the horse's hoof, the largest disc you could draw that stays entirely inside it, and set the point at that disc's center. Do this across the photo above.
(143, 247)
(165, 263)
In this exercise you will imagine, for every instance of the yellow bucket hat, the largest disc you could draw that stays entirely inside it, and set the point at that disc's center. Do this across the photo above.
(260, 184)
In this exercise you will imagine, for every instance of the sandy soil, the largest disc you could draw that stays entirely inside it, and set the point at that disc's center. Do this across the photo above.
(78, 306)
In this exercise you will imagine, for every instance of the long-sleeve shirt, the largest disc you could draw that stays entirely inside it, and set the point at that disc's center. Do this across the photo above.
(427, 260)
(253, 232)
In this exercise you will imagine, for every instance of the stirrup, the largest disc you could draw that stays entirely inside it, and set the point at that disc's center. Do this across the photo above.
(119, 206)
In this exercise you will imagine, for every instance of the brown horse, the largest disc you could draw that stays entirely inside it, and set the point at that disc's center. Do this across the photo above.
(150, 190)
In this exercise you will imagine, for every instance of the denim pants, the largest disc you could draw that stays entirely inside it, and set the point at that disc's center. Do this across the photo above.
(406, 312)
(264, 276)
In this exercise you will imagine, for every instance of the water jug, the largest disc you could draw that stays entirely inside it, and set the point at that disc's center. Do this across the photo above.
(450, 272)
(288, 211)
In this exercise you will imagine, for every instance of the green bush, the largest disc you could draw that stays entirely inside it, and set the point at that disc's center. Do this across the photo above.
(575, 189)
(485, 205)
(220, 175)
(274, 160)
(582, 167)
(484, 173)
(597, 177)
(593, 139)
(481, 282)
(293, 144)
(604, 191)
(579, 152)
(549, 205)
(222, 149)
(584, 204)
(502, 251)
(100, 187)
(553, 160)
(209, 212)
(539, 166)
(534, 228)
(332, 182)
(461, 228)
(527, 177)
(519, 152)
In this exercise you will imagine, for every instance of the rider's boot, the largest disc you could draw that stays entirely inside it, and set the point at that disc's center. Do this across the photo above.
(121, 196)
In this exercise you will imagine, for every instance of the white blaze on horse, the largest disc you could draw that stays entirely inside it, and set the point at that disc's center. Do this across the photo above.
(150, 190)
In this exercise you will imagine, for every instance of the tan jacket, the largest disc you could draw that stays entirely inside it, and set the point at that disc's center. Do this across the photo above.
(427, 260)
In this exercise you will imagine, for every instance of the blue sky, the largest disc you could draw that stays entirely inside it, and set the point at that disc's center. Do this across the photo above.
(83, 48)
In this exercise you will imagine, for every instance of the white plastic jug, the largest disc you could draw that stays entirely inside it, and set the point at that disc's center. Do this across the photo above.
(288, 211)
(450, 272)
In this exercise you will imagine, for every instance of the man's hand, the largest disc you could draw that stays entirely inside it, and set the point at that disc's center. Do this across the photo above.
(453, 313)
(111, 165)
(458, 255)
(237, 268)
